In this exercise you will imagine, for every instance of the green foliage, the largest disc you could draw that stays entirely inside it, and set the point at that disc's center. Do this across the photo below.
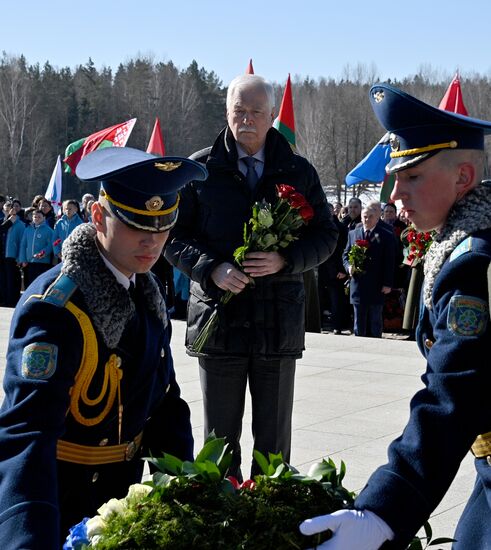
(417, 543)
(194, 504)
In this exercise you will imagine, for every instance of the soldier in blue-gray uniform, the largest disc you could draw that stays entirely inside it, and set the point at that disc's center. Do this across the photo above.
(90, 385)
(439, 162)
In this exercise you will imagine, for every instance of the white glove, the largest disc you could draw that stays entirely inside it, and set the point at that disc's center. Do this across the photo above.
(360, 529)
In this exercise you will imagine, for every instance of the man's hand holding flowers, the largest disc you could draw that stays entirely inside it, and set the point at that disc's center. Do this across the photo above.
(229, 278)
(271, 228)
(259, 264)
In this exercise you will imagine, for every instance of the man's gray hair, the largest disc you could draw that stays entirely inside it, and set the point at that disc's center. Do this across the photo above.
(245, 81)
(374, 206)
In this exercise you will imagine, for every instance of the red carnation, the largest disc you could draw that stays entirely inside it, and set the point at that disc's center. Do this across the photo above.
(57, 242)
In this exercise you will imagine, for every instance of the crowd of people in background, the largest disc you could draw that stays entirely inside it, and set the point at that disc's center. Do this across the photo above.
(349, 300)
(31, 239)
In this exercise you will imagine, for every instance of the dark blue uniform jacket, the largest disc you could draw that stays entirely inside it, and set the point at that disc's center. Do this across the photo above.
(450, 411)
(40, 496)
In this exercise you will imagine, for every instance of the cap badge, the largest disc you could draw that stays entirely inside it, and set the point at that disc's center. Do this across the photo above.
(394, 142)
(378, 96)
(155, 203)
(167, 166)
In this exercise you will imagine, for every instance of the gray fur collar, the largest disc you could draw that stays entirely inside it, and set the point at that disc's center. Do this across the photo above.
(471, 214)
(108, 303)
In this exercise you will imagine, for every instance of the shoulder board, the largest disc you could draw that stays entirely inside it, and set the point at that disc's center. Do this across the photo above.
(60, 291)
(462, 248)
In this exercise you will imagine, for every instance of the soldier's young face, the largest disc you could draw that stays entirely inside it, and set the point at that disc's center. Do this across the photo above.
(250, 117)
(129, 250)
(427, 191)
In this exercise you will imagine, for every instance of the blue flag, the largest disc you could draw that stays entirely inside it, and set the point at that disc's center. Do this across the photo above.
(372, 167)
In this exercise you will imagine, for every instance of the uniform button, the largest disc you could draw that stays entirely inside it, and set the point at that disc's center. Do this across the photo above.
(428, 343)
(103, 442)
(162, 352)
(247, 324)
(95, 477)
(489, 460)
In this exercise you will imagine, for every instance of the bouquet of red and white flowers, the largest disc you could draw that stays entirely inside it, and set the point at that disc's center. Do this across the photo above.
(269, 229)
(357, 256)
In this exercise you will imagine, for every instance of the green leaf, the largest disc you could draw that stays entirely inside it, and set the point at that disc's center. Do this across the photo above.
(428, 530)
(212, 450)
(262, 461)
(321, 471)
(441, 540)
(415, 544)
(280, 469)
(167, 464)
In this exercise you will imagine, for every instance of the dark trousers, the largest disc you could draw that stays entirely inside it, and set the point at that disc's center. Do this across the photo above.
(368, 319)
(13, 281)
(340, 306)
(223, 383)
(33, 270)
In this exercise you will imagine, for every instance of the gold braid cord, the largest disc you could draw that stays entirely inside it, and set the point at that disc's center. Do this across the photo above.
(83, 379)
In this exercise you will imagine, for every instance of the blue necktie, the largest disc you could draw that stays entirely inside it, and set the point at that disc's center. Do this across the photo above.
(251, 174)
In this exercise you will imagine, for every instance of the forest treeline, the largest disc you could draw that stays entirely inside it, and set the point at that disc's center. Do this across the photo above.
(43, 109)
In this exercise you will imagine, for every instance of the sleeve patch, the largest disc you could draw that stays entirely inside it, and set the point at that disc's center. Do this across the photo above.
(462, 248)
(39, 360)
(467, 316)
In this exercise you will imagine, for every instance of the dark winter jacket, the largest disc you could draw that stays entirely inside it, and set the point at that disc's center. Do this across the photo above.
(74, 328)
(267, 318)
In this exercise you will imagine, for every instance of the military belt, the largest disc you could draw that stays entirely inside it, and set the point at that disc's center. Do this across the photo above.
(93, 456)
(482, 445)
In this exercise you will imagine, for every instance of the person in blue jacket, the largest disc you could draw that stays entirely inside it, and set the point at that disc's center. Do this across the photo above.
(36, 248)
(439, 163)
(65, 225)
(13, 238)
(90, 385)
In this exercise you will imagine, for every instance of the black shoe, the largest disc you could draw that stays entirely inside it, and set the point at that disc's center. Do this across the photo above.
(336, 331)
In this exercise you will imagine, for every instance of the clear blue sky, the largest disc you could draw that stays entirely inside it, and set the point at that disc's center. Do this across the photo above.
(317, 38)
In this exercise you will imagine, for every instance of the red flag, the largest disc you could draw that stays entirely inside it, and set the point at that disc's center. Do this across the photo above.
(250, 68)
(156, 143)
(285, 121)
(115, 136)
(452, 100)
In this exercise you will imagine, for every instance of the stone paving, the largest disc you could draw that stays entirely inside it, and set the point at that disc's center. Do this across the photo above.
(351, 399)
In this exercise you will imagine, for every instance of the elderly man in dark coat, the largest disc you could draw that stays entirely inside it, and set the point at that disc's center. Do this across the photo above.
(260, 332)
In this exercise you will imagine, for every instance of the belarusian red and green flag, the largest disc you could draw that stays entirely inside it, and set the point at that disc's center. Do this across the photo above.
(285, 121)
(115, 136)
